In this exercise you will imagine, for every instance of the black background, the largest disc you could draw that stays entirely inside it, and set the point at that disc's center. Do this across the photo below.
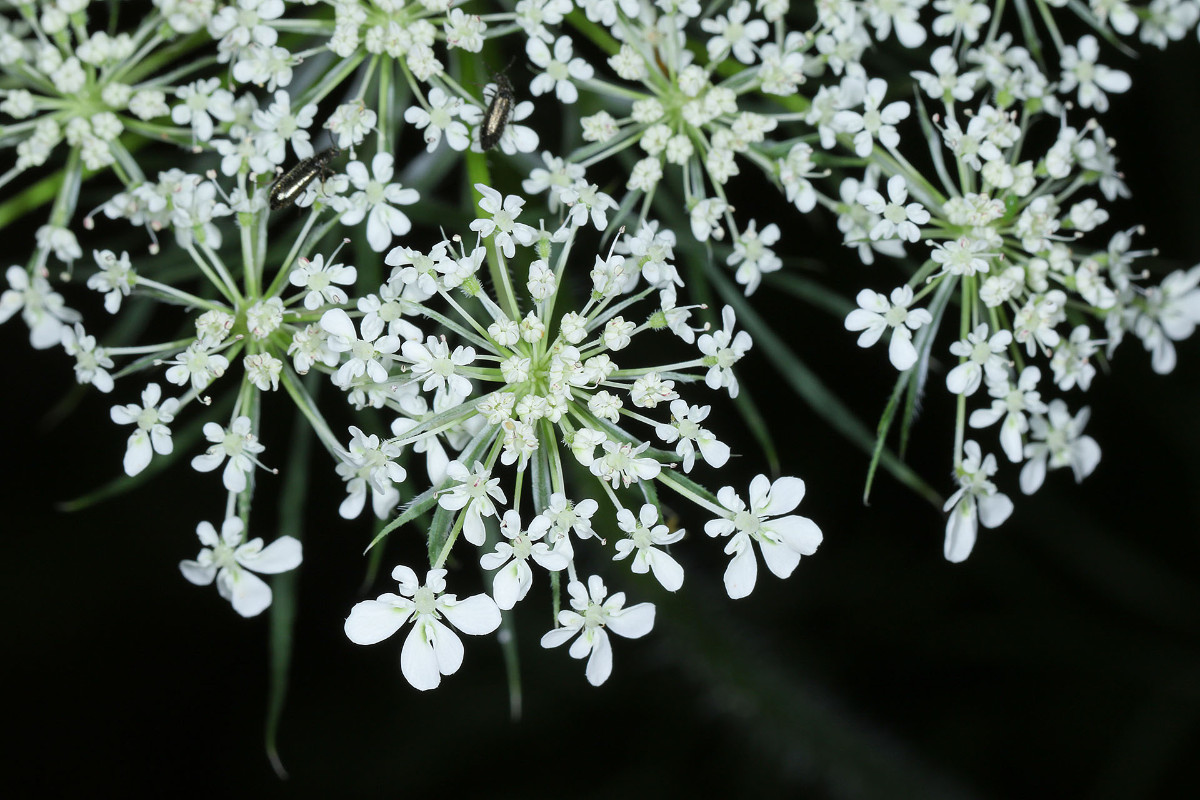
(1061, 659)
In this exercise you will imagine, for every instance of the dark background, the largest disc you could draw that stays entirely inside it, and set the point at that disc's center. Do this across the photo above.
(1061, 659)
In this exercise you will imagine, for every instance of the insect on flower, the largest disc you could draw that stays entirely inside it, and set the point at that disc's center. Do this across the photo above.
(498, 111)
(292, 183)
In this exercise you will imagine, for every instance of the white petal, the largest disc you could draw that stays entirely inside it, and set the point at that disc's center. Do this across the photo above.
(599, 665)
(779, 558)
(137, 453)
(994, 510)
(786, 493)
(558, 636)
(1084, 457)
(337, 322)
(901, 352)
(198, 573)
(233, 477)
(633, 622)
(506, 585)
(418, 660)
(447, 647)
(799, 533)
(476, 615)
(372, 621)
(960, 531)
(251, 595)
(666, 569)
(281, 555)
(741, 573)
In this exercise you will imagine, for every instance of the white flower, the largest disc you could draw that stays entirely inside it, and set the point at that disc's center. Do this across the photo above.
(278, 125)
(733, 33)
(587, 201)
(196, 364)
(233, 563)
(369, 464)
(514, 578)
(42, 308)
(875, 315)
(1059, 439)
(438, 368)
(960, 17)
(238, 443)
(375, 199)
(366, 354)
(237, 27)
(684, 427)
(559, 69)
(202, 100)
(504, 211)
(983, 355)
(876, 122)
(947, 82)
(1171, 314)
(752, 255)
(592, 618)
(116, 278)
(440, 119)
(152, 434)
(976, 501)
(319, 279)
(782, 540)
(566, 518)
(351, 122)
(1079, 68)
(721, 351)
(1012, 402)
(464, 31)
(896, 219)
(963, 256)
(91, 362)
(623, 463)
(431, 649)
(645, 537)
(474, 491)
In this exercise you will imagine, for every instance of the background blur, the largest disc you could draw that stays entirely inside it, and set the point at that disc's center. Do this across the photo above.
(1063, 658)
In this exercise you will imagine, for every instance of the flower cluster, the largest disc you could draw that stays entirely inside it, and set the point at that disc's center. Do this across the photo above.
(521, 363)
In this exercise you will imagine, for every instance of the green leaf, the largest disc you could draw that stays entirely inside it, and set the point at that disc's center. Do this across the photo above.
(285, 587)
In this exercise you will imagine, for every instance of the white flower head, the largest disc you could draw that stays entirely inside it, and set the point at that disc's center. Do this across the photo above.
(232, 562)
(237, 443)
(644, 539)
(153, 434)
(559, 69)
(876, 314)
(514, 577)
(502, 224)
(685, 429)
(1079, 69)
(591, 617)
(473, 491)
(432, 648)
(321, 280)
(782, 539)
(42, 308)
(983, 354)
(896, 218)
(976, 501)
(1057, 440)
(376, 198)
(722, 349)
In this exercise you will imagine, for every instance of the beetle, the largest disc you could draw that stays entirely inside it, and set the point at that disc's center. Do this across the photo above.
(495, 118)
(291, 184)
